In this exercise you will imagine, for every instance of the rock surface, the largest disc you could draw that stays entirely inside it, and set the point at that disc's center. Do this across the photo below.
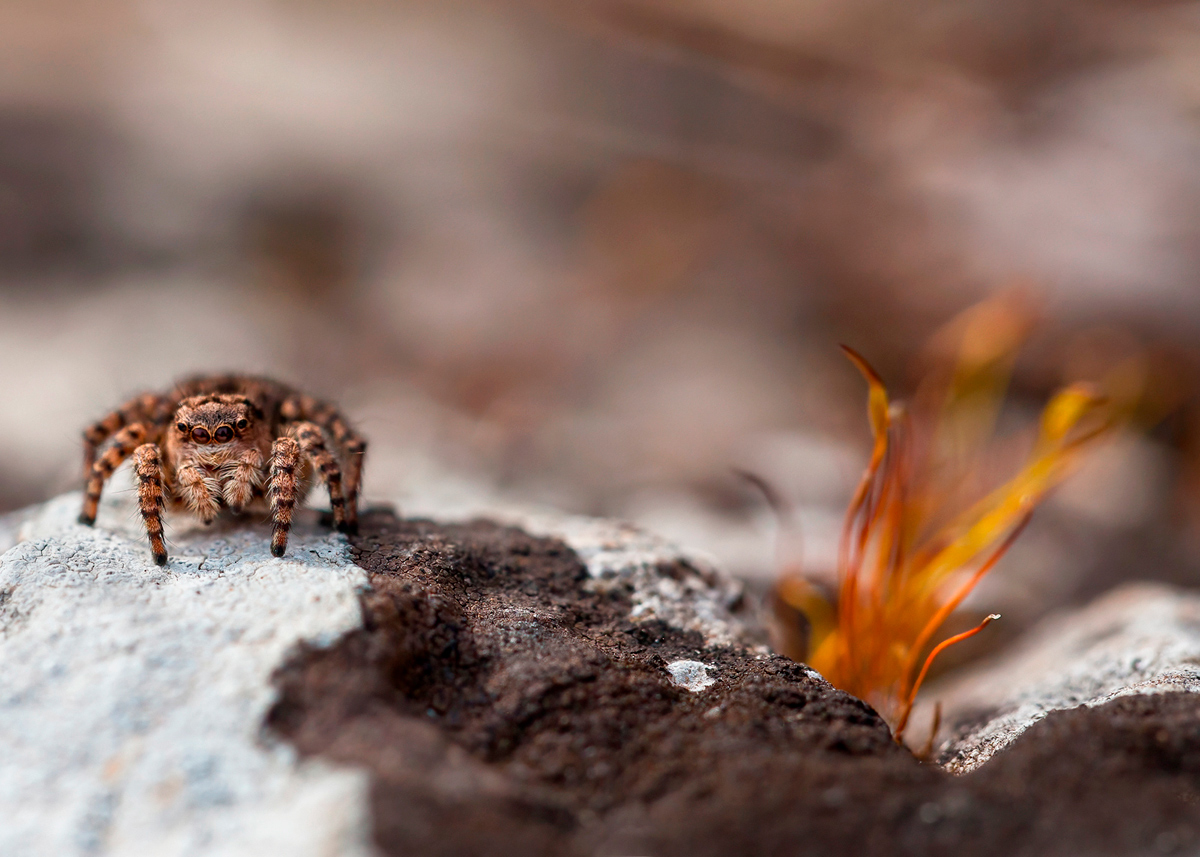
(427, 688)
(505, 704)
(132, 698)
(663, 581)
(1138, 639)
(522, 692)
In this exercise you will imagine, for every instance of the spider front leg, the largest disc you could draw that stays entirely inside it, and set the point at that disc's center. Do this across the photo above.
(147, 463)
(312, 444)
(282, 489)
(349, 442)
(125, 441)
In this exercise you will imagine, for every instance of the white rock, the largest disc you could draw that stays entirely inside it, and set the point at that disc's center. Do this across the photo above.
(691, 675)
(1139, 639)
(132, 696)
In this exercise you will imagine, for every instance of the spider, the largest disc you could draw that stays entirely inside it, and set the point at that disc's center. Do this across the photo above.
(228, 441)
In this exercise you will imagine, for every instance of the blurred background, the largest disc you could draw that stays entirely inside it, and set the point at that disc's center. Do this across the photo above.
(598, 254)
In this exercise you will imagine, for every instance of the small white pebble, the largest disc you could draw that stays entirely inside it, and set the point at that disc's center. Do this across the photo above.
(691, 675)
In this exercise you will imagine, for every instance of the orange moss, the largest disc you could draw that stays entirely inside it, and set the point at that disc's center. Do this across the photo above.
(919, 533)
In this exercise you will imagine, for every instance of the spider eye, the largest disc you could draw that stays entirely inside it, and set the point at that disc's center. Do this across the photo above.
(241, 424)
(200, 435)
(223, 434)
(182, 427)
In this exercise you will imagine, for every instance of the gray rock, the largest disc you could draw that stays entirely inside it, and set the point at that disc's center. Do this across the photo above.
(132, 697)
(1138, 639)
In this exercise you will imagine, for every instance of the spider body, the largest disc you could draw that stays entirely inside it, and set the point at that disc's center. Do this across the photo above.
(226, 442)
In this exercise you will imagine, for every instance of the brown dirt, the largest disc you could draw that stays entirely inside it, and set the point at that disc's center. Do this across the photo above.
(504, 708)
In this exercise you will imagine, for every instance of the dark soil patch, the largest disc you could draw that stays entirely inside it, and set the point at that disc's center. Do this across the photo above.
(502, 707)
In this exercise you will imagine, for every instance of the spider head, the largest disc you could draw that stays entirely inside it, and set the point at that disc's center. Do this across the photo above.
(216, 420)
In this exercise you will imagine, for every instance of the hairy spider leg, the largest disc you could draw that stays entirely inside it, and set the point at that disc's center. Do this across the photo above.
(352, 446)
(147, 462)
(148, 408)
(283, 490)
(312, 444)
(123, 443)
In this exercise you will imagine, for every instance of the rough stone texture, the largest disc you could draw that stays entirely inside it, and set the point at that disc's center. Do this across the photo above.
(505, 705)
(1139, 639)
(474, 689)
(663, 580)
(499, 696)
(132, 696)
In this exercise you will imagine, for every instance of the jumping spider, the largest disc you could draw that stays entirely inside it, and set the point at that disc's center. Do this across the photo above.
(227, 441)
